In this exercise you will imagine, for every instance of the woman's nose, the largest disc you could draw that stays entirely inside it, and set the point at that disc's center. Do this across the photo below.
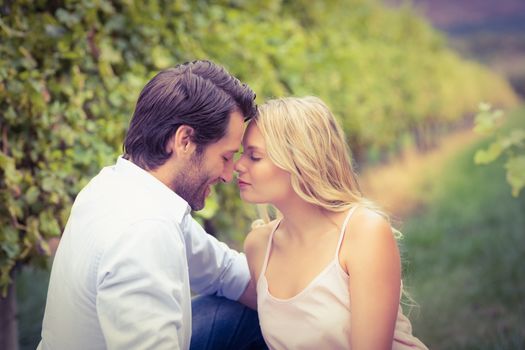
(238, 167)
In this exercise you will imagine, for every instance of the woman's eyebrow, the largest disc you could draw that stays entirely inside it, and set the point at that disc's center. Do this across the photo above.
(253, 147)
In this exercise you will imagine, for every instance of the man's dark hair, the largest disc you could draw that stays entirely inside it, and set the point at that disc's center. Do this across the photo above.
(199, 94)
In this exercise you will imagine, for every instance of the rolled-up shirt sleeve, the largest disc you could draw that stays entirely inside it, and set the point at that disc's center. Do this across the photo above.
(214, 268)
(140, 290)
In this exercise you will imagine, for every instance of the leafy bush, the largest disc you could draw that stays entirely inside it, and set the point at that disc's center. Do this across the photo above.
(71, 70)
(510, 144)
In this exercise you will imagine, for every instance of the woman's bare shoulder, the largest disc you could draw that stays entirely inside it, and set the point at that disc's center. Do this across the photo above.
(368, 235)
(368, 222)
(258, 237)
(369, 244)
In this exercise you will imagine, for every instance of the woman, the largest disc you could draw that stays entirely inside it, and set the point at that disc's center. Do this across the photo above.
(328, 272)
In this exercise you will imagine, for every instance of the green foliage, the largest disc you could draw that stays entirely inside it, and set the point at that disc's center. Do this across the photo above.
(71, 70)
(511, 144)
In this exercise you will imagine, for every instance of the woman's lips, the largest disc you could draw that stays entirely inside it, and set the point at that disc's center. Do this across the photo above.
(242, 184)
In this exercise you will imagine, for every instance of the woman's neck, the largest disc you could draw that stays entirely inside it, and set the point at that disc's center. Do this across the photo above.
(302, 219)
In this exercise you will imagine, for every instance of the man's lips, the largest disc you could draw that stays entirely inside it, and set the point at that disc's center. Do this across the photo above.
(207, 191)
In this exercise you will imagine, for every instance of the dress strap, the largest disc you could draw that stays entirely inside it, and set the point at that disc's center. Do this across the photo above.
(343, 229)
(268, 250)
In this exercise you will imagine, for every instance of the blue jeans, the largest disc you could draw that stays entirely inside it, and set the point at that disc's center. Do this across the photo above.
(219, 323)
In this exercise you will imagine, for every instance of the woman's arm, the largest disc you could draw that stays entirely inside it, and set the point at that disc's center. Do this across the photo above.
(255, 249)
(249, 296)
(371, 256)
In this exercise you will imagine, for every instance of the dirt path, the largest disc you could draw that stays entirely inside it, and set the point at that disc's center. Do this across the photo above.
(401, 185)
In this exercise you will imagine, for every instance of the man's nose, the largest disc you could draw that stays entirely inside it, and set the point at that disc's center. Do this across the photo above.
(227, 174)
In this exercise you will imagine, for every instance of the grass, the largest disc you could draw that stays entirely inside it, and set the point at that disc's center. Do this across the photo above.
(405, 184)
(464, 254)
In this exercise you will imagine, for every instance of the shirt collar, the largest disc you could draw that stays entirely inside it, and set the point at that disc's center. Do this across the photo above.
(166, 195)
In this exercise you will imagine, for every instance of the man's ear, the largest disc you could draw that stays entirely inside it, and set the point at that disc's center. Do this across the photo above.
(181, 143)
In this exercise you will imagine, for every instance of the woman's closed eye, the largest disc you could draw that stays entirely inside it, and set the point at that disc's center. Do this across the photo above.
(252, 156)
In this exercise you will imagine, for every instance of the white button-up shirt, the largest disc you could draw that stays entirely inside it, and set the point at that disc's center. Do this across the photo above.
(122, 273)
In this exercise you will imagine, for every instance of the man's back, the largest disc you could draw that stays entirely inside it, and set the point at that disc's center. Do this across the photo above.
(104, 247)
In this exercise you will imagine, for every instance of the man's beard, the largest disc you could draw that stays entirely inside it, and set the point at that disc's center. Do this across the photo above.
(191, 184)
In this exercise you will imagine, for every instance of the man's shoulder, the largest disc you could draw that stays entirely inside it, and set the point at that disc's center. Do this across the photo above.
(127, 198)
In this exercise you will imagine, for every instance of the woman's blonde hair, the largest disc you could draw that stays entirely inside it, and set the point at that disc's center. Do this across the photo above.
(303, 138)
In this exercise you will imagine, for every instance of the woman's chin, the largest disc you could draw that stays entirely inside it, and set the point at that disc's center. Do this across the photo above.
(246, 198)
(249, 199)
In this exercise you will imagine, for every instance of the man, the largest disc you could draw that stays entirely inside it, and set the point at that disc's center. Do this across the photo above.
(130, 251)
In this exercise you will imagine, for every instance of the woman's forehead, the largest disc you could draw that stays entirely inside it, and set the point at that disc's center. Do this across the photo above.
(253, 136)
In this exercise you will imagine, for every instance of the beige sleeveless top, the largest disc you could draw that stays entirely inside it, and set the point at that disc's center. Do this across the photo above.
(318, 317)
